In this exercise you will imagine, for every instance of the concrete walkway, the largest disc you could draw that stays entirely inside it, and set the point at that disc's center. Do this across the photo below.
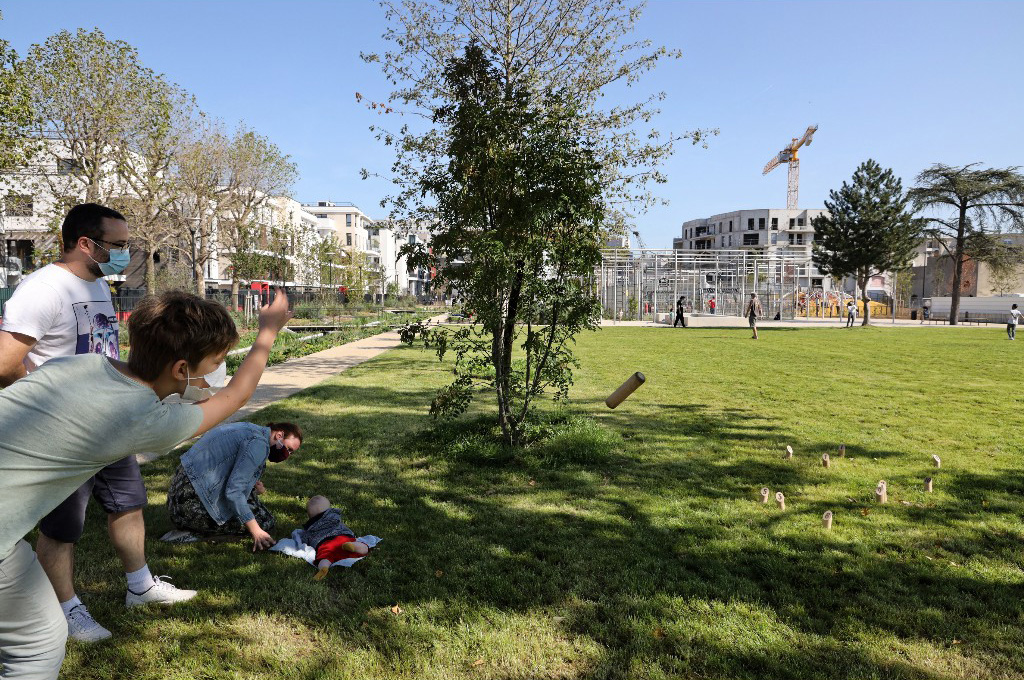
(294, 375)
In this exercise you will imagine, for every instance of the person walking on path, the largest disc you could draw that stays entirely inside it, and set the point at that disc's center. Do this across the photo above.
(214, 490)
(851, 313)
(752, 313)
(680, 312)
(1011, 323)
(711, 305)
(65, 309)
(73, 416)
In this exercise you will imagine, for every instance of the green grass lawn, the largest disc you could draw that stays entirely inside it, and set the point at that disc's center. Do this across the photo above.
(656, 559)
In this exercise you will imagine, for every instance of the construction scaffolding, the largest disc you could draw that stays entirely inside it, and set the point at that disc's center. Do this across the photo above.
(643, 284)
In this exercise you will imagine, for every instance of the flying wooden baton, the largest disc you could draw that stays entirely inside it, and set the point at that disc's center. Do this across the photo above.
(625, 389)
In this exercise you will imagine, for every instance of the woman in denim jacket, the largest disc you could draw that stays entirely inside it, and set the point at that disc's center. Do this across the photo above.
(215, 489)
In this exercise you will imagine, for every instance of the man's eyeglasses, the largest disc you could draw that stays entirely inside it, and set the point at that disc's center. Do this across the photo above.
(117, 244)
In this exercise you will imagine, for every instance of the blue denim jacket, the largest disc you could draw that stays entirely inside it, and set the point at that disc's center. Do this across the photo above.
(224, 466)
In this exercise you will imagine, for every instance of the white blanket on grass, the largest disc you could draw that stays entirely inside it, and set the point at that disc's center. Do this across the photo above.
(294, 547)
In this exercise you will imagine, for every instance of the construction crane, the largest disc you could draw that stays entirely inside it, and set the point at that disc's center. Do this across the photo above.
(788, 155)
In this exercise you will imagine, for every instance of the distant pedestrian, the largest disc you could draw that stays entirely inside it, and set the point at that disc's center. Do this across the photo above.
(851, 313)
(753, 311)
(680, 312)
(1011, 323)
(711, 305)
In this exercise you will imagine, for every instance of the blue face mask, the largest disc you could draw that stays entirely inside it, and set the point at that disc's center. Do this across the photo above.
(119, 259)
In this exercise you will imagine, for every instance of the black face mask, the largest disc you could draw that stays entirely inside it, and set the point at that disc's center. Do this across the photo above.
(279, 453)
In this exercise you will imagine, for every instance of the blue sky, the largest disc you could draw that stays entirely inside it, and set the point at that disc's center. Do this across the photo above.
(905, 83)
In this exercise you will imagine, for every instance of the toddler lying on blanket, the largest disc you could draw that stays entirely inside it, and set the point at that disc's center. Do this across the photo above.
(330, 536)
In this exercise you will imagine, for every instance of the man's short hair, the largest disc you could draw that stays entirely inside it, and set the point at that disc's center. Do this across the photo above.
(289, 429)
(177, 325)
(85, 219)
(1014, 306)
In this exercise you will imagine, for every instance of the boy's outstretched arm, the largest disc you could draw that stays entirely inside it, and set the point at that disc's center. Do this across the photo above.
(239, 390)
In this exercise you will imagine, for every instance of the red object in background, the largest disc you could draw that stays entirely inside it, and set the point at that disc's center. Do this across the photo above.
(122, 317)
(262, 286)
(342, 289)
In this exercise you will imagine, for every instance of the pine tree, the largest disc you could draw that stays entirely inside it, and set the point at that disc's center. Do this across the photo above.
(867, 230)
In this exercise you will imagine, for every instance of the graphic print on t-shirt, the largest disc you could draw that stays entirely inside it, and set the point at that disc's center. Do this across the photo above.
(97, 331)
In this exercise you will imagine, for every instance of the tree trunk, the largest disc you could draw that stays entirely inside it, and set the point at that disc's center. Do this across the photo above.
(150, 273)
(864, 298)
(200, 279)
(234, 292)
(958, 265)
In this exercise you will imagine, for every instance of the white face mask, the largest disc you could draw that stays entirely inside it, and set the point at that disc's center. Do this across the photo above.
(215, 381)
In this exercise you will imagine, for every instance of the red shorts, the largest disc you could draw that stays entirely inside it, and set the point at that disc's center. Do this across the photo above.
(331, 549)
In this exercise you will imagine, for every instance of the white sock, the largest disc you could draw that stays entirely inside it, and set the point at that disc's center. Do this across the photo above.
(140, 581)
(66, 607)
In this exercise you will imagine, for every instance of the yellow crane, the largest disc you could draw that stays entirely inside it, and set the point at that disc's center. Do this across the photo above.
(788, 155)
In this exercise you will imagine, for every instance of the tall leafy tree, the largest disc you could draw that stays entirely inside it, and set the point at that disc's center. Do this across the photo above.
(581, 47)
(87, 91)
(867, 230)
(516, 232)
(17, 115)
(18, 146)
(973, 204)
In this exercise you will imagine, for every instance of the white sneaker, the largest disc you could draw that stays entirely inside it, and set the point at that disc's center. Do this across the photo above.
(82, 627)
(161, 592)
(179, 536)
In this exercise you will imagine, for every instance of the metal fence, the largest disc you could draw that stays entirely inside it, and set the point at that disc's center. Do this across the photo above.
(640, 284)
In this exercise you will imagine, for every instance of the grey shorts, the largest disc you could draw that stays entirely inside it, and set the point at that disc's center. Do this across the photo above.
(117, 488)
(752, 320)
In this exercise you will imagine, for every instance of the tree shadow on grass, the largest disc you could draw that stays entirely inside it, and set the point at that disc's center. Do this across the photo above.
(686, 594)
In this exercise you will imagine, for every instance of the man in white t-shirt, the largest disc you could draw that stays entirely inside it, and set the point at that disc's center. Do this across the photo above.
(61, 310)
(1012, 321)
(851, 312)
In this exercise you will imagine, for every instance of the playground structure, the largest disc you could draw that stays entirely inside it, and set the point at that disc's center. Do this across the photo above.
(643, 284)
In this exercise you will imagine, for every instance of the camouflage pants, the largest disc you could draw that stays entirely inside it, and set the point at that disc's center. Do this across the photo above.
(188, 512)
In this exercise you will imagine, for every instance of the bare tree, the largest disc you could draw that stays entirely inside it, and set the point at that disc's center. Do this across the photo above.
(143, 159)
(257, 170)
(198, 171)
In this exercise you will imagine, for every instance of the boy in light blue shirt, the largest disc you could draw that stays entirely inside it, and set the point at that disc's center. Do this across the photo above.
(74, 415)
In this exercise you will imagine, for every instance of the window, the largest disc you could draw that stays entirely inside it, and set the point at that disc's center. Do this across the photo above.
(18, 205)
(750, 224)
(730, 225)
(348, 239)
(750, 239)
(799, 221)
(321, 215)
(796, 239)
(816, 283)
(348, 220)
(775, 223)
(760, 223)
(730, 240)
(67, 166)
(412, 238)
(792, 222)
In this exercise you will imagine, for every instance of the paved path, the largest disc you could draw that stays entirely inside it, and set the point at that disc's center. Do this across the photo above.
(295, 375)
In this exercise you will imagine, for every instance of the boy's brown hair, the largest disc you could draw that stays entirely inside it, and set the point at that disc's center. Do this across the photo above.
(177, 325)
